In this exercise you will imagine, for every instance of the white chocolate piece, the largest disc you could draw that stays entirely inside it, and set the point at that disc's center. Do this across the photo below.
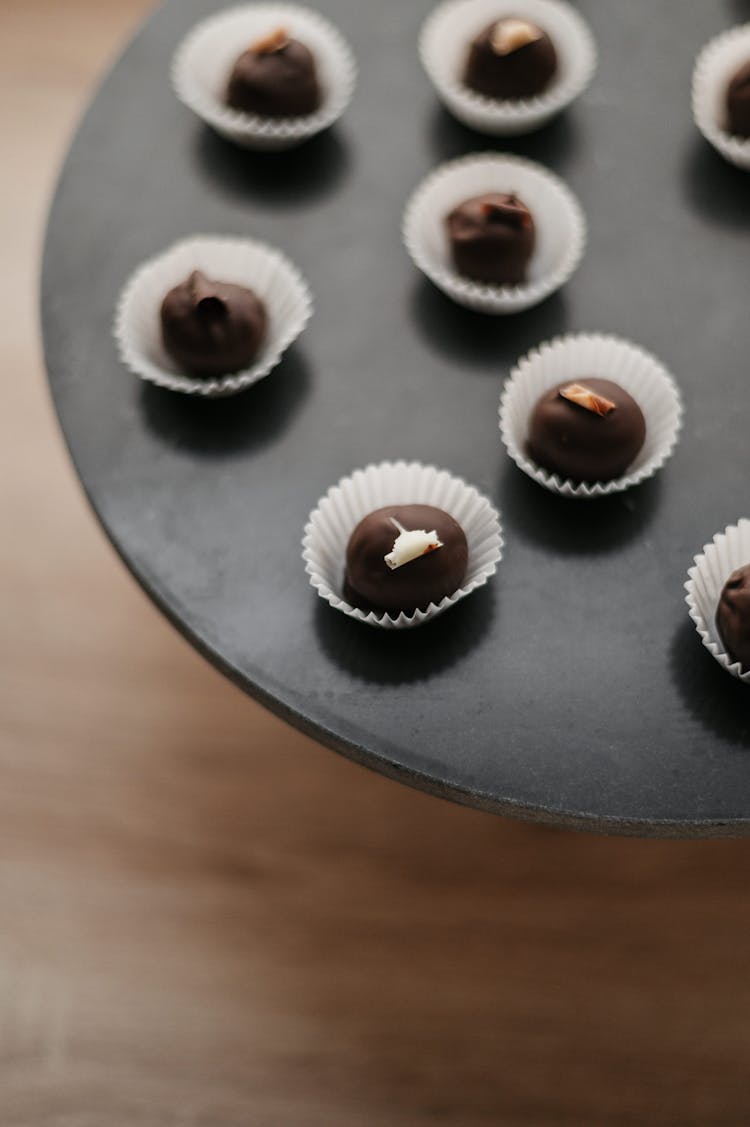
(410, 545)
(510, 35)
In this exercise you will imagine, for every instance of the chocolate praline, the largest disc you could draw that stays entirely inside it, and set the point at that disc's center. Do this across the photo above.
(587, 430)
(733, 616)
(275, 77)
(371, 585)
(492, 238)
(738, 102)
(509, 59)
(212, 328)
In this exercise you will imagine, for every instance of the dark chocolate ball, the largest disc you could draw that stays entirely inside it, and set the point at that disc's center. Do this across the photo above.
(276, 77)
(510, 59)
(212, 328)
(586, 430)
(733, 616)
(370, 584)
(492, 238)
(738, 102)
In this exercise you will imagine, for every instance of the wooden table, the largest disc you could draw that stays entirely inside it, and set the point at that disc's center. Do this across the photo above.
(189, 936)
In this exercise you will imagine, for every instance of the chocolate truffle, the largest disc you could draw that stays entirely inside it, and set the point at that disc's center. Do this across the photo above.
(738, 102)
(510, 59)
(404, 557)
(492, 238)
(212, 328)
(733, 616)
(587, 430)
(275, 77)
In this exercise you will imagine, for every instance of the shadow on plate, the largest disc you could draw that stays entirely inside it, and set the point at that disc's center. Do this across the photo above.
(213, 428)
(280, 180)
(715, 188)
(570, 527)
(553, 145)
(398, 657)
(478, 338)
(740, 9)
(720, 703)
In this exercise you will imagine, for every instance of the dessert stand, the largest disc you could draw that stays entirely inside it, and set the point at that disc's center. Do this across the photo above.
(572, 689)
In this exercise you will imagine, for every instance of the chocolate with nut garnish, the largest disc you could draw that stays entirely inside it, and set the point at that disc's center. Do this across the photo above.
(404, 557)
(275, 77)
(511, 58)
(733, 616)
(212, 328)
(738, 102)
(586, 430)
(492, 238)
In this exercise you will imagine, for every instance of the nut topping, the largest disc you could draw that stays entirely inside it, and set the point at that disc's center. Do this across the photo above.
(585, 397)
(270, 44)
(512, 34)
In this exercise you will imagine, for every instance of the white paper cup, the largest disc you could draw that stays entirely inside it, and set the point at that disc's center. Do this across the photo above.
(337, 514)
(204, 60)
(575, 357)
(245, 262)
(715, 67)
(560, 229)
(444, 46)
(727, 551)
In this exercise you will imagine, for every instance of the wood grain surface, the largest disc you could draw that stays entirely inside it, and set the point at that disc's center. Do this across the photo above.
(208, 920)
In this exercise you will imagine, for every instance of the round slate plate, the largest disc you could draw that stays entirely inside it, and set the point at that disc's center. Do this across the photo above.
(573, 689)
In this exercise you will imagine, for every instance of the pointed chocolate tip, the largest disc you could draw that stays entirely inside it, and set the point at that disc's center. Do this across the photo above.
(196, 282)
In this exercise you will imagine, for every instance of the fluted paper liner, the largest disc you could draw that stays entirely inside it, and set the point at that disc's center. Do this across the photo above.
(337, 514)
(245, 262)
(727, 551)
(444, 47)
(559, 220)
(204, 60)
(576, 357)
(715, 67)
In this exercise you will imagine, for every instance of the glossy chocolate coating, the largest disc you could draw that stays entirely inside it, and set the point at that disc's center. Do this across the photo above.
(522, 72)
(212, 328)
(370, 584)
(738, 102)
(280, 81)
(492, 238)
(573, 442)
(733, 616)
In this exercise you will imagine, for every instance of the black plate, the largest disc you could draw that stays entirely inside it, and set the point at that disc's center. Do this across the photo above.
(573, 688)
